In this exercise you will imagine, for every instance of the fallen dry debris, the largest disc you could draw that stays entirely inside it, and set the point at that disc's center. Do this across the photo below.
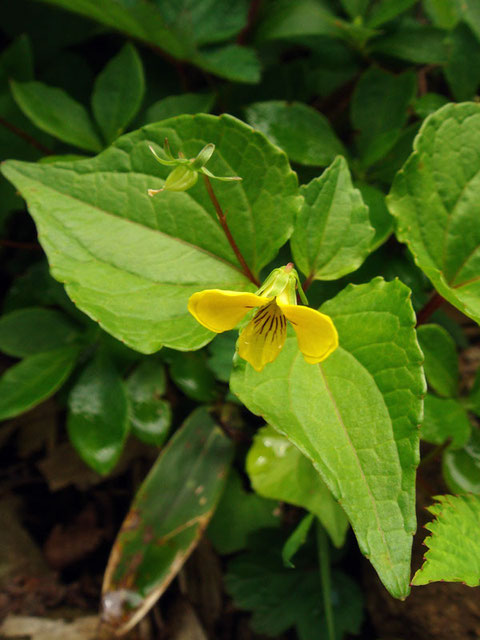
(84, 628)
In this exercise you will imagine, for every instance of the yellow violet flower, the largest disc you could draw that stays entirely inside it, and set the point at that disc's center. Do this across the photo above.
(262, 339)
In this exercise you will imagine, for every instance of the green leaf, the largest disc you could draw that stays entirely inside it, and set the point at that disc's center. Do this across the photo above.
(441, 360)
(443, 13)
(238, 514)
(177, 105)
(150, 415)
(221, 350)
(355, 415)
(413, 42)
(302, 132)
(461, 467)
(233, 62)
(378, 212)
(385, 170)
(333, 234)
(462, 69)
(279, 470)
(355, 7)
(454, 547)
(434, 198)
(470, 12)
(35, 379)
(445, 418)
(168, 516)
(34, 330)
(473, 401)
(189, 371)
(132, 262)
(379, 111)
(387, 10)
(296, 539)
(428, 103)
(118, 92)
(16, 61)
(281, 597)
(54, 111)
(285, 19)
(97, 421)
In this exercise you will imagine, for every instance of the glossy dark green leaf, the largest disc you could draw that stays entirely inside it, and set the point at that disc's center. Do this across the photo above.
(296, 539)
(234, 62)
(150, 414)
(222, 350)
(462, 70)
(34, 330)
(168, 515)
(434, 199)
(461, 467)
(441, 359)
(356, 417)
(279, 470)
(453, 548)
(379, 111)
(238, 514)
(443, 419)
(55, 112)
(303, 133)
(130, 261)
(280, 597)
(118, 92)
(333, 234)
(97, 421)
(190, 372)
(177, 105)
(35, 379)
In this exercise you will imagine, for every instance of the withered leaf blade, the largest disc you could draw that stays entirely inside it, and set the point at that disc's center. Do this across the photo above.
(167, 518)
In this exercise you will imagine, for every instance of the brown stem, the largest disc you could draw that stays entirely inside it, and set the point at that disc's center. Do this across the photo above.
(252, 14)
(30, 246)
(432, 305)
(25, 136)
(308, 282)
(223, 222)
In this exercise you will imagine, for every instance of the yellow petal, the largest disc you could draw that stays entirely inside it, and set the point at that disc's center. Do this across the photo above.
(316, 334)
(263, 337)
(219, 310)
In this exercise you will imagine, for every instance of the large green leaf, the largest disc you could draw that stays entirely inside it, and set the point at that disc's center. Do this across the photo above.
(98, 414)
(302, 132)
(379, 111)
(279, 470)
(454, 547)
(333, 234)
(169, 514)
(131, 262)
(356, 417)
(35, 379)
(179, 29)
(434, 198)
(118, 92)
(54, 111)
(34, 330)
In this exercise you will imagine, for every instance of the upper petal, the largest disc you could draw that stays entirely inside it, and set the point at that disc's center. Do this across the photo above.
(219, 310)
(316, 334)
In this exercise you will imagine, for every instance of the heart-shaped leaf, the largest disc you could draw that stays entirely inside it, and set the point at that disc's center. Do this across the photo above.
(356, 416)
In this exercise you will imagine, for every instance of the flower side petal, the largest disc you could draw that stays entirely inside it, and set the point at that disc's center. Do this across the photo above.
(316, 334)
(219, 310)
(263, 337)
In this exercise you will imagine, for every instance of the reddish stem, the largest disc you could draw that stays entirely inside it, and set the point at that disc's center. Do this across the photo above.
(432, 305)
(31, 246)
(25, 136)
(223, 222)
(252, 14)
(308, 282)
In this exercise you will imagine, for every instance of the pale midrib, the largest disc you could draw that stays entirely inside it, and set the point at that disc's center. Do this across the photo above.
(127, 220)
(364, 477)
